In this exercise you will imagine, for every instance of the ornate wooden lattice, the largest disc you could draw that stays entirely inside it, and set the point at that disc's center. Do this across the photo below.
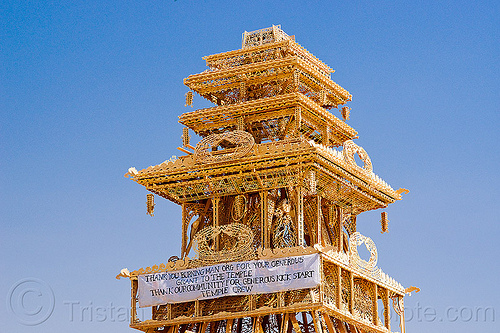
(268, 180)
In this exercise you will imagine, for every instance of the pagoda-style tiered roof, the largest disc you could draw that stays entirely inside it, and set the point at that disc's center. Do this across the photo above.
(273, 180)
(269, 69)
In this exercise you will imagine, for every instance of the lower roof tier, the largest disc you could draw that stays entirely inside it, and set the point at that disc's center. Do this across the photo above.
(288, 163)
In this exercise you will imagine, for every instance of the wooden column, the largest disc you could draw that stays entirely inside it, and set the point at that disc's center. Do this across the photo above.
(322, 278)
(296, 80)
(331, 224)
(402, 316)
(338, 296)
(300, 216)
(387, 310)
(215, 208)
(133, 306)
(340, 226)
(169, 311)
(317, 322)
(295, 323)
(298, 120)
(229, 326)
(240, 125)
(375, 305)
(281, 299)
(184, 231)
(326, 139)
(197, 308)
(264, 219)
(319, 233)
(351, 292)
(204, 327)
(243, 91)
(251, 301)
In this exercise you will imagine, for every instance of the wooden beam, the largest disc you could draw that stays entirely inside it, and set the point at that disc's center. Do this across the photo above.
(229, 325)
(317, 322)
(183, 328)
(305, 324)
(340, 325)
(257, 326)
(284, 323)
(295, 323)
(185, 151)
(352, 328)
(238, 325)
(329, 323)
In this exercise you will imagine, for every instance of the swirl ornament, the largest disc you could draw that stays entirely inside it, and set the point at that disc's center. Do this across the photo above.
(241, 250)
(244, 142)
(355, 240)
(350, 148)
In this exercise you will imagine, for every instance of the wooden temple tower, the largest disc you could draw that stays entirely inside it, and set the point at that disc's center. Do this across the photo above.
(273, 178)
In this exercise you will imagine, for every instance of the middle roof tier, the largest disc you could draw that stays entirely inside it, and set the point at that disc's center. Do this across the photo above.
(273, 118)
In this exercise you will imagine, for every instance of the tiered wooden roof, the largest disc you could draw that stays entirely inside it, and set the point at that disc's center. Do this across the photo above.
(270, 150)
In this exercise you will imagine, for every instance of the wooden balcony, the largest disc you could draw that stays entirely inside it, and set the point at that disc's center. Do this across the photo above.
(348, 299)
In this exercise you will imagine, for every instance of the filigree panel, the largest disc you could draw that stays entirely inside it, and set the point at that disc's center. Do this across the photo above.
(330, 283)
(346, 291)
(363, 299)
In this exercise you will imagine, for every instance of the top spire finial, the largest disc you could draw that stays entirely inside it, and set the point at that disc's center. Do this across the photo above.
(263, 36)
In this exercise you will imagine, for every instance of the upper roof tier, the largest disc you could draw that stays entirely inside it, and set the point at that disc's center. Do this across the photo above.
(269, 64)
(257, 42)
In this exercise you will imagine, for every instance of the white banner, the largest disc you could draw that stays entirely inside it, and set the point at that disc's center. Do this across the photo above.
(230, 279)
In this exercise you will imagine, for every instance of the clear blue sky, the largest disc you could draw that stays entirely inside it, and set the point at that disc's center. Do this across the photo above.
(91, 88)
